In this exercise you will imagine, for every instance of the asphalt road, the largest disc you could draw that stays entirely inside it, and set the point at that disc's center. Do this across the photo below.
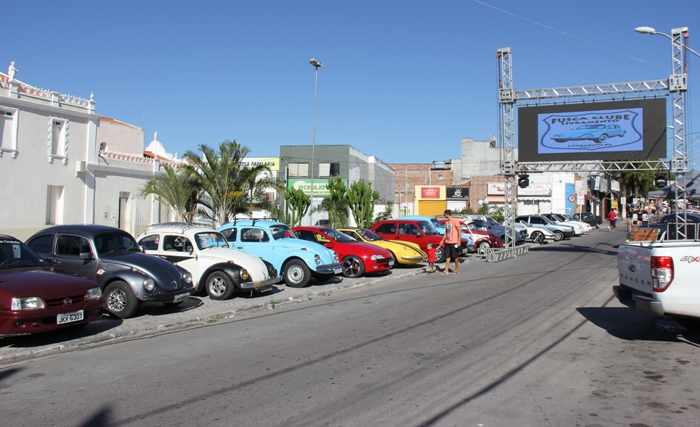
(532, 341)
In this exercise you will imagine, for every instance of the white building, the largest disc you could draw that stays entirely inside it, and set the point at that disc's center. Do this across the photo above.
(62, 163)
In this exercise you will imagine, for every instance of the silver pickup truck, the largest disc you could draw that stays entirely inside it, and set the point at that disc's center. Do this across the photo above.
(661, 278)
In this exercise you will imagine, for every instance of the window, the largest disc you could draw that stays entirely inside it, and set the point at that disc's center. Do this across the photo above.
(42, 245)
(58, 139)
(8, 130)
(150, 243)
(71, 246)
(54, 205)
(328, 169)
(298, 169)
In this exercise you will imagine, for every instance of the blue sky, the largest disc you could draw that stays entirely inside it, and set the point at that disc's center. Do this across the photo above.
(402, 80)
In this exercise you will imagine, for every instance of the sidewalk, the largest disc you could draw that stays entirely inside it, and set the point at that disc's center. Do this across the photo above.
(153, 319)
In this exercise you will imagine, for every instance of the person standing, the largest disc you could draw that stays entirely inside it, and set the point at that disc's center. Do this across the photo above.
(450, 241)
(431, 258)
(612, 217)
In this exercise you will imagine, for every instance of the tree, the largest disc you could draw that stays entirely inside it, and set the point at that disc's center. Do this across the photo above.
(226, 187)
(177, 190)
(336, 203)
(298, 204)
(361, 200)
(637, 183)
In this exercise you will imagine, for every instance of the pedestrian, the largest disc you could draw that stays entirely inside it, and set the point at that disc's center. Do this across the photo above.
(612, 217)
(634, 221)
(450, 241)
(431, 258)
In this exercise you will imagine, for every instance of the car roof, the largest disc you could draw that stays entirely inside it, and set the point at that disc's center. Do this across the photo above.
(265, 222)
(84, 229)
(178, 227)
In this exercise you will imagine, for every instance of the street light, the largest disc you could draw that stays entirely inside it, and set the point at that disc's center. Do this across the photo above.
(652, 31)
(317, 65)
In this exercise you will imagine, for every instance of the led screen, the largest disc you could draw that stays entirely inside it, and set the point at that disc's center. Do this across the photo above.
(619, 130)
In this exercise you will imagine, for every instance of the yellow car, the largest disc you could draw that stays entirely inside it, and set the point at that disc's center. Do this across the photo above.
(405, 253)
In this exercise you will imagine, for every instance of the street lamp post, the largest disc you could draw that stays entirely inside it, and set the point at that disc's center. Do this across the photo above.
(652, 31)
(317, 65)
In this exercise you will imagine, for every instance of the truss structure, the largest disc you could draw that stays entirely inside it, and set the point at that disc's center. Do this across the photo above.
(676, 84)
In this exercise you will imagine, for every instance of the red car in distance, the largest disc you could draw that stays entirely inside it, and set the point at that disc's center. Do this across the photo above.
(35, 298)
(417, 231)
(356, 258)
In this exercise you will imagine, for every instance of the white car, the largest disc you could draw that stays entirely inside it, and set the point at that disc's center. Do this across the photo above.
(535, 234)
(586, 226)
(205, 253)
(578, 227)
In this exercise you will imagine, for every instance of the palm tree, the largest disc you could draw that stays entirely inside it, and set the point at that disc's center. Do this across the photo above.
(174, 189)
(227, 188)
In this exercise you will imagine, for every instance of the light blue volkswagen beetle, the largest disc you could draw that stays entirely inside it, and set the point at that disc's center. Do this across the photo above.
(297, 260)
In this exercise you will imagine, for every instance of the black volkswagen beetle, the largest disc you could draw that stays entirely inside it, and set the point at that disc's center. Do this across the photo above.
(112, 258)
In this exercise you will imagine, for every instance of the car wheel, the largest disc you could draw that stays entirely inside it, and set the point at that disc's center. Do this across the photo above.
(353, 266)
(538, 237)
(602, 138)
(296, 274)
(440, 254)
(219, 286)
(558, 235)
(560, 140)
(597, 226)
(120, 300)
(484, 245)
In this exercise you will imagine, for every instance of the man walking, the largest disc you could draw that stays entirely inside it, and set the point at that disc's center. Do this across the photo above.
(450, 241)
(612, 217)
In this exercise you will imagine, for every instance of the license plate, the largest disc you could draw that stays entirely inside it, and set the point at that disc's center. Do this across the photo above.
(181, 297)
(338, 270)
(391, 263)
(75, 316)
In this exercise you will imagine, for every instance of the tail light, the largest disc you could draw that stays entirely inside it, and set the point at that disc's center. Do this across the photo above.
(661, 273)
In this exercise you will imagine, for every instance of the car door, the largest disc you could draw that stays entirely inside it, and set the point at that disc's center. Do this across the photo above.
(67, 255)
(256, 241)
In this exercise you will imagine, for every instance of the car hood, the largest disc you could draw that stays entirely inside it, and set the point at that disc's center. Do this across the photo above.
(27, 282)
(255, 266)
(361, 249)
(163, 272)
(298, 244)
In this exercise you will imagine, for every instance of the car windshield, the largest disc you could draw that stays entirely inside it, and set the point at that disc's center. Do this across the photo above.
(478, 223)
(210, 239)
(15, 254)
(427, 228)
(436, 224)
(591, 127)
(115, 242)
(338, 236)
(558, 218)
(368, 235)
(281, 231)
(547, 220)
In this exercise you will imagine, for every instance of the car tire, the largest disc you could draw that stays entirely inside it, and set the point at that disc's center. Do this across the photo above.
(597, 226)
(120, 300)
(602, 138)
(219, 286)
(353, 267)
(558, 235)
(538, 237)
(484, 245)
(296, 274)
(439, 254)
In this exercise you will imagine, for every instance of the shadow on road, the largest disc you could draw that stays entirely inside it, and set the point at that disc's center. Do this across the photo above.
(631, 325)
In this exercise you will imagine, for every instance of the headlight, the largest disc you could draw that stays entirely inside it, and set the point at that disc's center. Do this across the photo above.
(376, 257)
(244, 274)
(149, 284)
(335, 256)
(187, 277)
(93, 293)
(317, 258)
(27, 303)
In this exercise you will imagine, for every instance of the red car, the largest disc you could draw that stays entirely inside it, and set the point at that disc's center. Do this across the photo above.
(35, 298)
(417, 231)
(482, 238)
(356, 258)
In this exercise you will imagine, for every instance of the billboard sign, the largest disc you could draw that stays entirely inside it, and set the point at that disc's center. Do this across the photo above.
(617, 130)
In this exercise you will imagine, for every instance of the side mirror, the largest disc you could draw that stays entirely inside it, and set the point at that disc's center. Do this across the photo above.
(86, 255)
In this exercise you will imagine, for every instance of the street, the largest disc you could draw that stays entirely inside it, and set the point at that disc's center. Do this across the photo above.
(537, 340)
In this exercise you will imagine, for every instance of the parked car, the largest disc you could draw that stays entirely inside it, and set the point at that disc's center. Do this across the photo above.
(589, 218)
(487, 223)
(595, 132)
(440, 228)
(534, 234)
(112, 258)
(478, 233)
(295, 259)
(579, 227)
(36, 298)
(416, 231)
(357, 258)
(668, 229)
(560, 231)
(213, 264)
(405, 253)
